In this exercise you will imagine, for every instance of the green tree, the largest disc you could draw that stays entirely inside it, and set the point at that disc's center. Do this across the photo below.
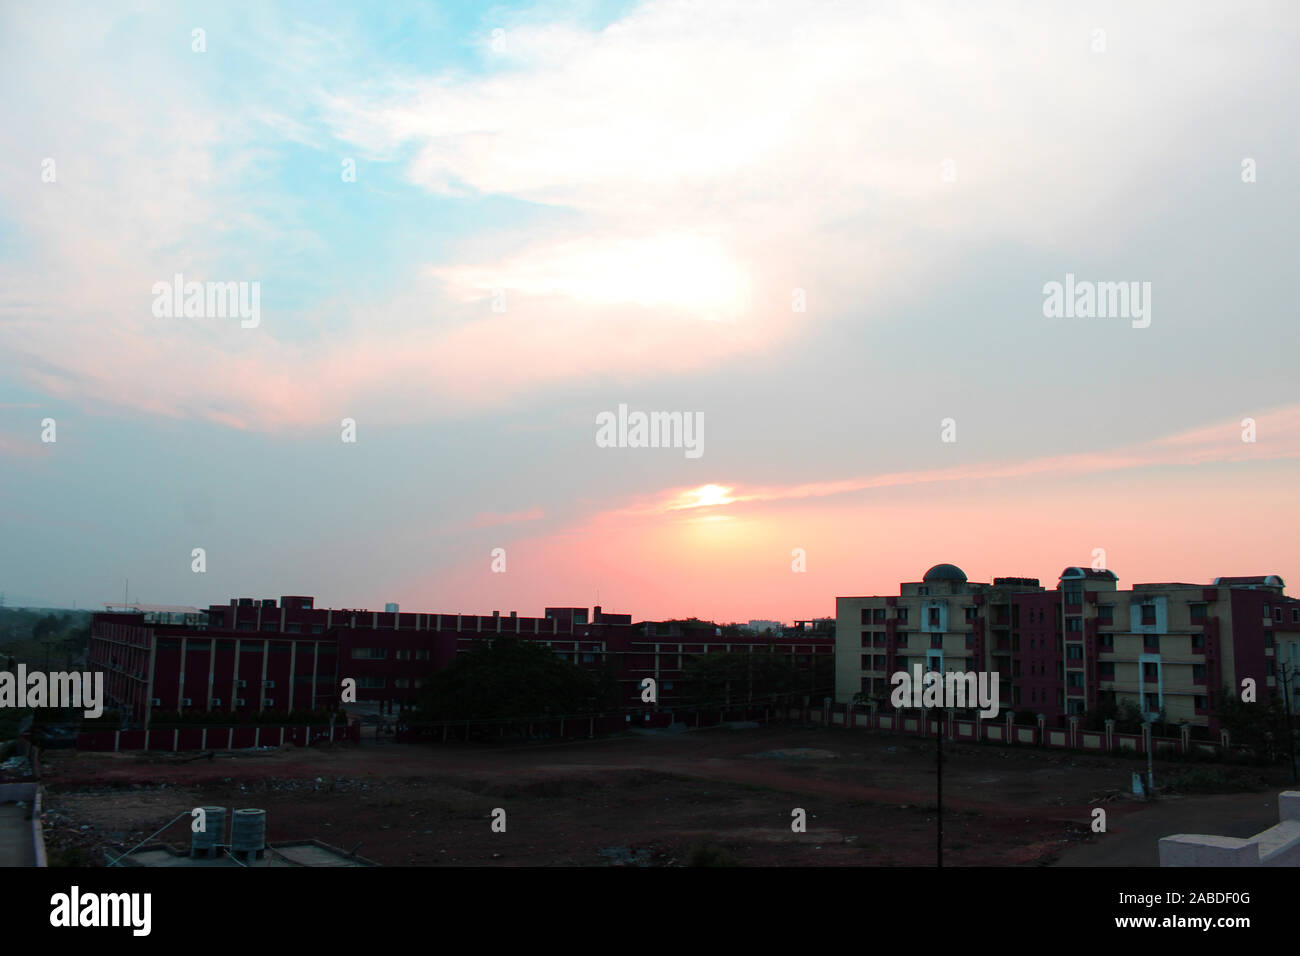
(47, 627)
(735, 678)
(507, 678)
(1260, 726)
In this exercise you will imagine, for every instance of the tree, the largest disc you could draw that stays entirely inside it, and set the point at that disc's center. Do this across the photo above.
(1105, 709)
(713, 680)
(46, 627)
(507, 678)
(1260, 726)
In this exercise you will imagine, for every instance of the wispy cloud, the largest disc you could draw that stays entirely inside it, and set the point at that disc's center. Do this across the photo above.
(782, 150)
(1277, 436)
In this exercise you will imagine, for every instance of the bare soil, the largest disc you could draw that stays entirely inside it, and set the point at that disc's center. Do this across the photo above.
(642, 800)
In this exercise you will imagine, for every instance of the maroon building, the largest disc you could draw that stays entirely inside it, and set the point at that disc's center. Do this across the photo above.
(268, 656)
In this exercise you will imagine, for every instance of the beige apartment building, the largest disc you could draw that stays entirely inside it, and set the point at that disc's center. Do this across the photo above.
(1164, 646)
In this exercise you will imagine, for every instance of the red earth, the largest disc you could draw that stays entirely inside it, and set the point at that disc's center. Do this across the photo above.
(632, 800)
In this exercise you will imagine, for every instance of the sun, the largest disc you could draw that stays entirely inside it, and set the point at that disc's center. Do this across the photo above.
(705, 496)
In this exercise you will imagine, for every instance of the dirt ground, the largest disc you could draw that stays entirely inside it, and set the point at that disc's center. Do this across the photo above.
(642, 800)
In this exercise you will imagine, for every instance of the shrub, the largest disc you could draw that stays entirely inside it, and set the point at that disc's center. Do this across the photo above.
(706, 854)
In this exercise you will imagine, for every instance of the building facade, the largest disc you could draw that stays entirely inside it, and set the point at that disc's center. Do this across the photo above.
(1165, 647)
(267, 656)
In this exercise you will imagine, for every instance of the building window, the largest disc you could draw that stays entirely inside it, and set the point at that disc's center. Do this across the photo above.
(901, 639)
(934, 617)
(1202, 702)
(1198, 612)
(1268, 638)
(1149, 671)
(1074, 624)
(902, 615)
(1106, 670)
(293, 627)
(923, 590)
(970, 614)
(1198, 672)
(936, 640)
(1106, 640)
(1075, 652)
(403, 655)
(1148, 614)
(1153, 702)
(866, 638)
(401, 683)
(866, 662)
(247, 626)
(372, 683)
(270, 626)
(877, 615)
(1151, 642)
(866, 615)
(369, 653)
(970, 640)
(1106, 614)
(1198, 641)
(422, 655)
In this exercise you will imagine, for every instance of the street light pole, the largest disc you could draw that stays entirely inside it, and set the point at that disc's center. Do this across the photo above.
(938, 750)
(1151, 777)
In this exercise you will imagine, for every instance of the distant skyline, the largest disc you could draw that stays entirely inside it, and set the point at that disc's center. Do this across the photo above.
(826, 233)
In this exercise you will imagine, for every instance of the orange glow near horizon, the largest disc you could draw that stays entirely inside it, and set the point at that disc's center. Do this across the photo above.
(737, 567)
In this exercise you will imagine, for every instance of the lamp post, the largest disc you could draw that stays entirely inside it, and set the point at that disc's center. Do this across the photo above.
(1151, 746)
(938, 756)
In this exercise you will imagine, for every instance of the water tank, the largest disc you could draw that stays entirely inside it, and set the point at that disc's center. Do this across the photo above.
(205, 844)
(248, 833)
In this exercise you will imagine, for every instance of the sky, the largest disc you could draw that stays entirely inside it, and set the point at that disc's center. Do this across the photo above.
(824, 231)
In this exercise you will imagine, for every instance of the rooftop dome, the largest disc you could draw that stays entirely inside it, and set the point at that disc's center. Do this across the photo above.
(945, 572)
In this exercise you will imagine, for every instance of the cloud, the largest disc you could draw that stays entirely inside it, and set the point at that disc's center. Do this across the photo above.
(683, 170)
(1277, 438)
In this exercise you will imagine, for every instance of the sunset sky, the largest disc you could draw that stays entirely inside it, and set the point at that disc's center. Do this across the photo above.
(561, 208)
